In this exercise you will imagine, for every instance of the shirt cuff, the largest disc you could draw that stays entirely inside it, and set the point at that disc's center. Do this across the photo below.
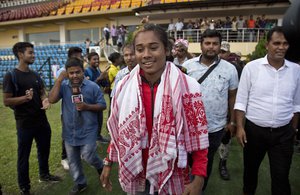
(240, 106)
(199, 162)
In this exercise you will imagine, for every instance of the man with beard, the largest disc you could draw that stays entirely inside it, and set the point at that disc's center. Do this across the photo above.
(267, 110)
(24, 91)
(218, 88)
(81, 101)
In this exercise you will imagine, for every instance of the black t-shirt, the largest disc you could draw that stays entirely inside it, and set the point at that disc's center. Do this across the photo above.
(28, 114)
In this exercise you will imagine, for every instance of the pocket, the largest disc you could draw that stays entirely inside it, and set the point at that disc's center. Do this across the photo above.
(221, 84)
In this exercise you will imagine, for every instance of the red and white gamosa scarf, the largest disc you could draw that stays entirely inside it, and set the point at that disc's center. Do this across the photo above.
(179, 127)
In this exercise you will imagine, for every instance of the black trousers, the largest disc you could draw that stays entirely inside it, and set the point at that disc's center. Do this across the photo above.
(278, 143)
(214, 143)
(42, 137)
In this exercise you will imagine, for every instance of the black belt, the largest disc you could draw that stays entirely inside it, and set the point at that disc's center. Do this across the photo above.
(269, 128)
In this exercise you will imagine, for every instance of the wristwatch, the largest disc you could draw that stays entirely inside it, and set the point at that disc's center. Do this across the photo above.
(106, 162)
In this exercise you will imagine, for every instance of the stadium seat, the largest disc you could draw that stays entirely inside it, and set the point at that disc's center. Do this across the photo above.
(125, 3)
(115, 4)
(69, 10)
(77, 9)
(61, 11)
(96, 6)
(86, 8)
(136, 3)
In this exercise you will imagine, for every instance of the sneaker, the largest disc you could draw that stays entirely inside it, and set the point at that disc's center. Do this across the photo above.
(49, 178)
(77, 189)
(103, 140)
(65, 164)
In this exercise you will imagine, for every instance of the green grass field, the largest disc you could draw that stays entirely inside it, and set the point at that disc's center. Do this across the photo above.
(8, 161)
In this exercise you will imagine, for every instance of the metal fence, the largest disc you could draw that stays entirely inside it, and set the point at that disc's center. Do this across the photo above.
(228, 34)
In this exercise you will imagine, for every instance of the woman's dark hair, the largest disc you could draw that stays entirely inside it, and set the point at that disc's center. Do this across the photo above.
(160, 32)
(92, 54)
(211, 33)
(73, 62)
(21, 47)
(114, 56)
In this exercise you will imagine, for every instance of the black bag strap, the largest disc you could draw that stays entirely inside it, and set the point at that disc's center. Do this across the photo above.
(209, 71)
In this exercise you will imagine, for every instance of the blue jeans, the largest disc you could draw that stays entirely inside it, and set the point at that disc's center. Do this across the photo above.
(42, 136)
(88, 153)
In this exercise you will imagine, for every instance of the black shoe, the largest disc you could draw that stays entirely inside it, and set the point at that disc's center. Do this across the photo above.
(49, 178)
(25, 192)
(77, 189)
(223, 170)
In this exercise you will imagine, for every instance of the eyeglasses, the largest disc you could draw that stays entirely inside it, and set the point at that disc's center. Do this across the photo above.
(222, 51)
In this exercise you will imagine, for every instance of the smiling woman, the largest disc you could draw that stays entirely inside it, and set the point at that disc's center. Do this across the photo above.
(157, 118)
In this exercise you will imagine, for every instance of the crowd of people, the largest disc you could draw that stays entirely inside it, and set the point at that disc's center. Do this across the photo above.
(240, 29)
(169, 112)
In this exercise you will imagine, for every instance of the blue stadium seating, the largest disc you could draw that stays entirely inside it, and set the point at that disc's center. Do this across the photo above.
(56, 53)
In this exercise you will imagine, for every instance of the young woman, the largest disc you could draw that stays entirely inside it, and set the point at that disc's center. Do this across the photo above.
(157, 118)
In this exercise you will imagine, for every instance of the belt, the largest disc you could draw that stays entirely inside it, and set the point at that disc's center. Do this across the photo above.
(270, 128)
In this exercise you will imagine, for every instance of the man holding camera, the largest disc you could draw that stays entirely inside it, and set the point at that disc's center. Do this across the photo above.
(81, 101)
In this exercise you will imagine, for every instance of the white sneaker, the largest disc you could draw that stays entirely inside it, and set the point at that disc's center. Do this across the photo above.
(65, 164)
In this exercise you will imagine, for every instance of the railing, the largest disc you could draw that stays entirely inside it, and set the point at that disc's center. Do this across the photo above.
(240, 35)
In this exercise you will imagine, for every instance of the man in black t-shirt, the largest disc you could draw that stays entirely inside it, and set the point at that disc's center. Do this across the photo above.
(23, 90)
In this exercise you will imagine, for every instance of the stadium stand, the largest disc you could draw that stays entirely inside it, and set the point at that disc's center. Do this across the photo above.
(47, 54)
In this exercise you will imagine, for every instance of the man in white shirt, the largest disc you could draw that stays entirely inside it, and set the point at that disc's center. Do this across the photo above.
(171, 28)
(269, 98)
(179, 27)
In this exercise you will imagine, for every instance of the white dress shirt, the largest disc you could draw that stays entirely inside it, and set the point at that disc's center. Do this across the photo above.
(269, 97)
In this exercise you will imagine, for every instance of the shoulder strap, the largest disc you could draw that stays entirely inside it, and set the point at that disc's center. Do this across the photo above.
(209, 71)
(14, 80)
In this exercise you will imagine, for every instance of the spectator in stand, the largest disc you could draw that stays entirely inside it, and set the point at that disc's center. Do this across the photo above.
(233, 36)
(196, 27)
(87, 45)
(94, 74)
(212, 24)
(179, 27)
(106, 33)
(122, 32)
(204, 24)
(171, 28)
(228, 23)
(153, 156)
(219, 24)
(114, 34)
(240, 25)
(251, 26)
(189, 30)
